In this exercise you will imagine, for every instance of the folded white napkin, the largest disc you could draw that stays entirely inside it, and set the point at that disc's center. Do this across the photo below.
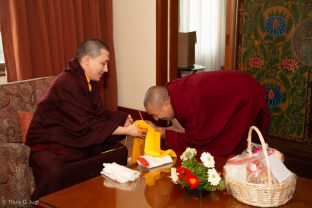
(119, 173)
(151, 162)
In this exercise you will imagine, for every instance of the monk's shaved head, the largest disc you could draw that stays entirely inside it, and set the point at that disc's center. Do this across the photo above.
(156, 96)
(91, 47)
(157, 103)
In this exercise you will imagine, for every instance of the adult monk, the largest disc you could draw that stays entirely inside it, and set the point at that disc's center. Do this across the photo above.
(209, 111)
(70, 123)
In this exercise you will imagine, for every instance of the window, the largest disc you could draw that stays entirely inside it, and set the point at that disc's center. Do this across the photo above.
(207, 18)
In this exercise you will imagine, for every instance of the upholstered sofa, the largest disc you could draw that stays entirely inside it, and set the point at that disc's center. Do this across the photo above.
(16, 177)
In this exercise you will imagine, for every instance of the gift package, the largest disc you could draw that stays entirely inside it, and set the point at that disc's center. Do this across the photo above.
(258, 175)
(251, 167)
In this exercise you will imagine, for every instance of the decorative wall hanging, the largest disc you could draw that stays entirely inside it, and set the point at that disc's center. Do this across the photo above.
(274, 44)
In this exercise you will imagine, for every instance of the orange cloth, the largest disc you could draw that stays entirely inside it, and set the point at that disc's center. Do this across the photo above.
(151, 145)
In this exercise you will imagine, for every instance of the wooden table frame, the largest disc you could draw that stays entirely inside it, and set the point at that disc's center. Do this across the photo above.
(157, 192)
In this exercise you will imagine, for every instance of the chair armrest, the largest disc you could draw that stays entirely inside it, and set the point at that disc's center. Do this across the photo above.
(14, 152)
(16, 177)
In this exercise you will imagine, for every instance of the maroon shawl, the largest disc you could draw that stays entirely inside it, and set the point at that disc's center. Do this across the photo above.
(216, 109)
(71, 117)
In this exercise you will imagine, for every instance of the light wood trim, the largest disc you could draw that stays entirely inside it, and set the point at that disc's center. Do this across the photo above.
(161, 41)
(173, 39)
(229, 60)
(2, 69)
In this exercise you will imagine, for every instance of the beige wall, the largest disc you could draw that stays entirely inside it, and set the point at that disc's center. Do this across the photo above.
(135, 48)
(3, 80)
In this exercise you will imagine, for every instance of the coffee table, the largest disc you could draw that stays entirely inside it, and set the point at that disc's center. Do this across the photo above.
(154, 189)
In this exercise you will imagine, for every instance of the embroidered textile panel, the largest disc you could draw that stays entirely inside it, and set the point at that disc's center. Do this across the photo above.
(275, 46)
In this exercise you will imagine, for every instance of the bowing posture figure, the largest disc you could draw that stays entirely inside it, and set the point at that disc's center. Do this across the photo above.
(209, 111)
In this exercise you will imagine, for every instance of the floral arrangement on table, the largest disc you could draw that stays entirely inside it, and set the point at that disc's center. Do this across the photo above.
(193, 174)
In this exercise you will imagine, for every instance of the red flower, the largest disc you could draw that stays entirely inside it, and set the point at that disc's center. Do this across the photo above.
(290, 64)
(181, 171)
(192, 180)
(256, 62)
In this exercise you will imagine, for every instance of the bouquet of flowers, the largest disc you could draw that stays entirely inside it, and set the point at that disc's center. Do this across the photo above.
(193, 174)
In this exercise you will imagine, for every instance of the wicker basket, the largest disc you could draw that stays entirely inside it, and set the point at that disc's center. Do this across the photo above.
(261, 195)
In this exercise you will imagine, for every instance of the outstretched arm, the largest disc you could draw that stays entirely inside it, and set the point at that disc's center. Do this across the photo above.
(130, 130)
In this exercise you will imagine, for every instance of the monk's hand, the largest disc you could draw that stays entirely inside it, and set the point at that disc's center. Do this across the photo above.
(150, 123)
(162, 131)
(135, 131)
(176, 126)
(129, 121)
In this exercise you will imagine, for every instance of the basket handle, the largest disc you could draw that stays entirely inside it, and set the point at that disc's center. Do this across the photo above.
(264, 150)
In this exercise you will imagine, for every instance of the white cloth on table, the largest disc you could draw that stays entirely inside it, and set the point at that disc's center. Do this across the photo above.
(152, 162)
(119, 173)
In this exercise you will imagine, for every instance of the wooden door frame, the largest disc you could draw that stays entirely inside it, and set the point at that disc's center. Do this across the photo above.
(173, 39)
(231, 35)
(166, 15)
(161, 41)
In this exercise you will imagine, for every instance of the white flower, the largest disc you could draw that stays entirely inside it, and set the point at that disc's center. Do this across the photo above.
(174, 176)
(207, 159)
(213, 177)
(188, 154)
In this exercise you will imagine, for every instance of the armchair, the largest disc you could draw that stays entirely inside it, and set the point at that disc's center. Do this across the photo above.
(16, 176)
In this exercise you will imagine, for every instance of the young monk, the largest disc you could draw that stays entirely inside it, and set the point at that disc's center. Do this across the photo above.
(70, 123)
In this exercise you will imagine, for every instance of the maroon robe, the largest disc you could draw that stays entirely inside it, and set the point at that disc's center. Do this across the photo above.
(69, 124)
(216, 109)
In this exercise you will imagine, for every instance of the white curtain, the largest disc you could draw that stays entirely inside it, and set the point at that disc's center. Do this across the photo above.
(207, 18)
(1, 51)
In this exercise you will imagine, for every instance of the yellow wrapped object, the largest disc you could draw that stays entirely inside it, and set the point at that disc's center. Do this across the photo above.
(151, 143)
(168, 152)
(137, 149)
